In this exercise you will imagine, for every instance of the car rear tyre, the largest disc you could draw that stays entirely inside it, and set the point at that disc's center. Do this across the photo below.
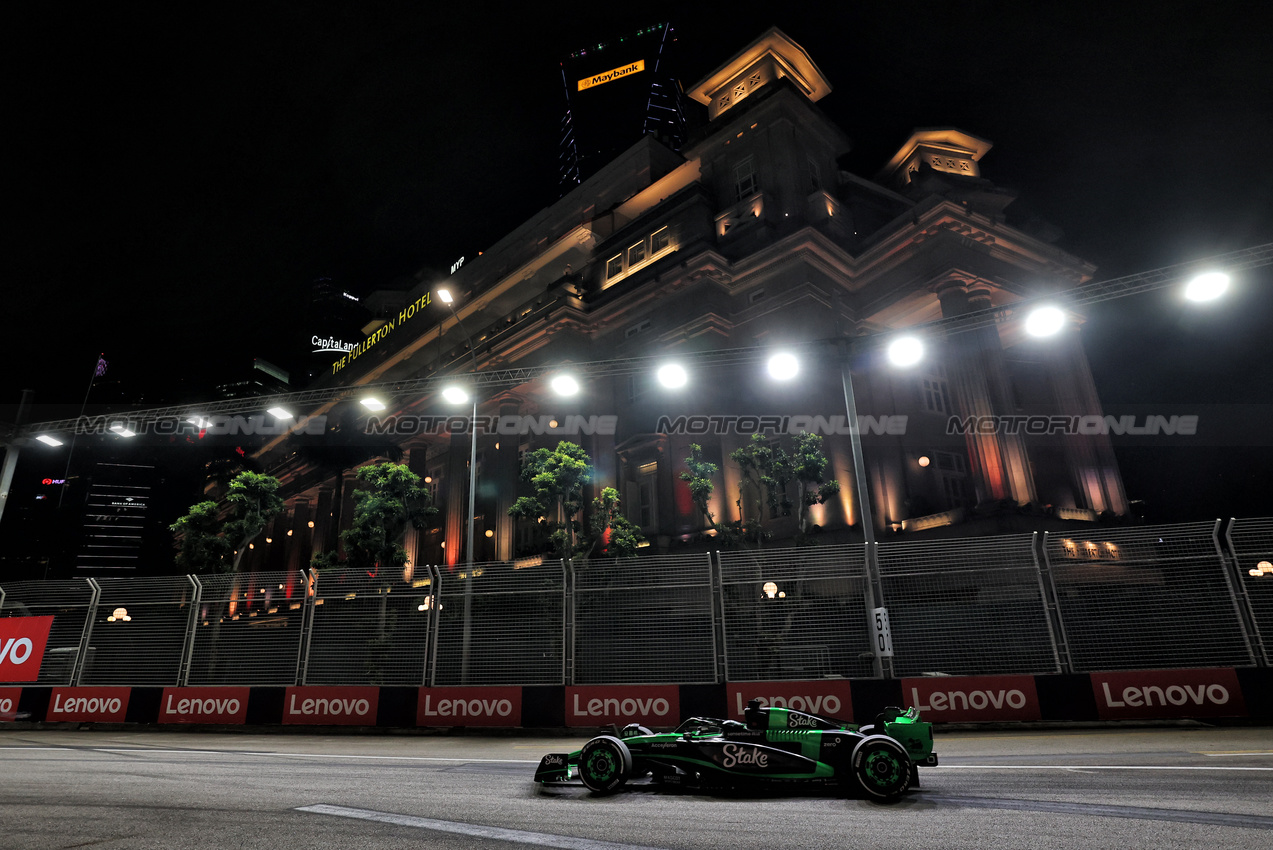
(882, 767)
(605, 763)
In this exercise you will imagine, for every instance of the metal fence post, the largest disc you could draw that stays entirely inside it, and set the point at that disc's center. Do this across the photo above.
(568, 630)
(435, 622)
(1052, 599)
(87, 634)
(1047, 591)
(720, 653)
(187, 652)
(307, 633)
(1250, 617)
(1243, 623)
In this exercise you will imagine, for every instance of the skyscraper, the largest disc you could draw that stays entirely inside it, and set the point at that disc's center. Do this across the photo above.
(616, 92)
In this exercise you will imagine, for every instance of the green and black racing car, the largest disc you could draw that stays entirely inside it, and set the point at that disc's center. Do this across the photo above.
(773, 746)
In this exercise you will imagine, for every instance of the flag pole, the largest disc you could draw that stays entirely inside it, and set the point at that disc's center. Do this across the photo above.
(99, 368)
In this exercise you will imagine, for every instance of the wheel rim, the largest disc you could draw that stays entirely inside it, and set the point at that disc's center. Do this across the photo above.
(601, 766)
(883, 769)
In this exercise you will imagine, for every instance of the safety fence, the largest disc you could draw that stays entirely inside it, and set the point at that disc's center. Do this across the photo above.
(1157, 597)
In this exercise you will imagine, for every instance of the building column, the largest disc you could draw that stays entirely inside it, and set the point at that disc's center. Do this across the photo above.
(456, 505)
(1093, 469)
(502, 474)
(999, 464)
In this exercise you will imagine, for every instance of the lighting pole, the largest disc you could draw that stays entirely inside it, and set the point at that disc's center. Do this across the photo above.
(466, 643)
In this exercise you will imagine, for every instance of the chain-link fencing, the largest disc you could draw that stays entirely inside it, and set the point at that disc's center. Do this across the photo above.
(1154, 597)
(795, 614)
(1145, 598)
(249, 629)
(643, 621)
(1250, 542)
(967, 607)
(501, 624)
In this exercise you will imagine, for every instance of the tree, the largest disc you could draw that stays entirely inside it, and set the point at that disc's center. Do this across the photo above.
(389, 500)
(559, 476)
(210, 541)
(767, 474)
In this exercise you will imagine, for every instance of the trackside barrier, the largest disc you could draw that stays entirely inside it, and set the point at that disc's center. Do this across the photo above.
(1250, 542)
(795, 614)
(1210, 694)
(501, 625)
(650, 624)
(1159, 597)
(1143, 598)
(967, 607)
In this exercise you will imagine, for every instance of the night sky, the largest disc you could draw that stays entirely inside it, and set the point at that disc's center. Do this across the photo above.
(179, 175)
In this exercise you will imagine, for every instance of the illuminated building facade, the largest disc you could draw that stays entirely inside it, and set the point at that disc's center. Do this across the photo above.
(750, 237)
(616, 92)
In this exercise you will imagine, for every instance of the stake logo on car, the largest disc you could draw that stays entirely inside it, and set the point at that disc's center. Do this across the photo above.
(735, 754)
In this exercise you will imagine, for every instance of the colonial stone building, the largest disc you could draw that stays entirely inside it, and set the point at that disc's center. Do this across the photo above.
(749, 239)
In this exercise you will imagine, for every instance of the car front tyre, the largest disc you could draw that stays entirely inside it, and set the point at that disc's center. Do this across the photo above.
(881, 767)
(605, 763)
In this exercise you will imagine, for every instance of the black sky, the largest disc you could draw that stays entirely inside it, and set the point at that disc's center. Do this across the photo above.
(179, 174)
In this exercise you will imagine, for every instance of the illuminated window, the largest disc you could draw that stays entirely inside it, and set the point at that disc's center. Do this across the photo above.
(745, 178)
(660, 241)
(614, 267)
(936, 392)
(636, 253)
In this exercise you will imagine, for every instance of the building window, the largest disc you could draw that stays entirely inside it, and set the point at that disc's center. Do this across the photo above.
(936, 392)
(660, 241)
(745, 184)
(952, 477)
(614, 266)
(815, 180)
(636, 253)
(643, 503)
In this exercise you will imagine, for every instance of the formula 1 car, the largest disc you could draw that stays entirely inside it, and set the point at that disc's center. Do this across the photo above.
(773, 746)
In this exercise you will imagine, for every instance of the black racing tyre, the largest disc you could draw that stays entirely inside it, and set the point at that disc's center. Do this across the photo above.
(605, 763)
(882, 767)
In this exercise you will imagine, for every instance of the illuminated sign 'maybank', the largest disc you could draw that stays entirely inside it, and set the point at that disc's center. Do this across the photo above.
(597, 79)
(387, 328)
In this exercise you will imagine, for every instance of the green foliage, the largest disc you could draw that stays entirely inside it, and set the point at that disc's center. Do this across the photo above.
(210, 543)
(389, 500)
(201, 548)
(768, 472)
(559, 476)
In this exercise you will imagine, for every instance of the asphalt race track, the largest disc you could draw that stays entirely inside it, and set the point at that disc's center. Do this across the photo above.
(1179, 787)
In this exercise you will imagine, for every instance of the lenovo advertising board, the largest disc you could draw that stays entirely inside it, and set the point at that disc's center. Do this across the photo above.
(961, 699)
(469, 707)
(829, 698)
(204, 705)
(22, 642)
(307, 705)
(601, 705)
(9, 699)
(1168, 694)
(87, 705)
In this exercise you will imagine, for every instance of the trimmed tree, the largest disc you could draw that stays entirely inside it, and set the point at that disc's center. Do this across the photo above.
(210, 540)
(390, 499)
(767, 474)
(558, 477)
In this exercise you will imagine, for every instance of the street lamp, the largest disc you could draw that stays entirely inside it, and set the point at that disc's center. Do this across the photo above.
(1207, 286)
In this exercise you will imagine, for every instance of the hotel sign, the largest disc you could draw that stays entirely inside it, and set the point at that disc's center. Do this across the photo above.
(622, 71)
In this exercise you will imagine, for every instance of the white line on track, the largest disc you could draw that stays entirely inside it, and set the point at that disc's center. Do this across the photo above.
(540, 839)
(1088, 767)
